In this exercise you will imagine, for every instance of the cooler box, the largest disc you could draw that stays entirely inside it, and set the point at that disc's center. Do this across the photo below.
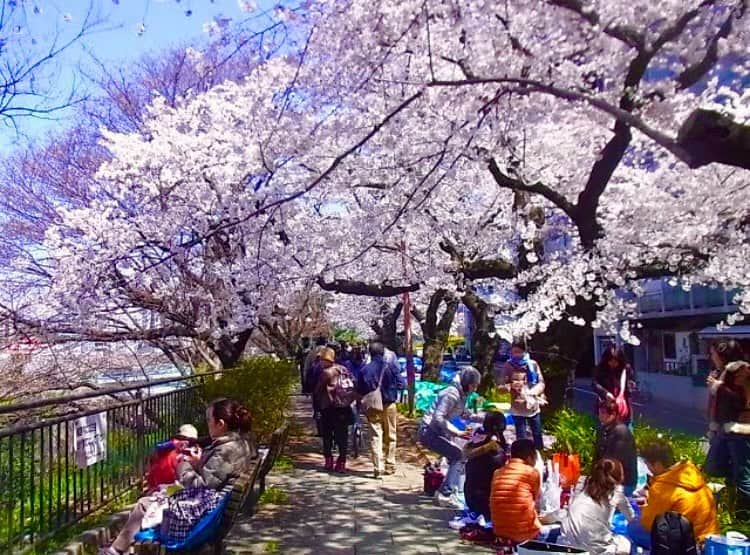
(722, 545)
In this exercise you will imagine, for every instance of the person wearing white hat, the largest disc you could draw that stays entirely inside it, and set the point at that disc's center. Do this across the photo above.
(162, 467)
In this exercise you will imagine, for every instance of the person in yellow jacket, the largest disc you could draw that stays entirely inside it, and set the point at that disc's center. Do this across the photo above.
(678, 487)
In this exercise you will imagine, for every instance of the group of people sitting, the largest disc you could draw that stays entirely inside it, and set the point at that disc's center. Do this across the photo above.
(195, 474)
(502, 484)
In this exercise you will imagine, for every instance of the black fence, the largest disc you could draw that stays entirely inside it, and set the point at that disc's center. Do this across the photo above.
(49, 481)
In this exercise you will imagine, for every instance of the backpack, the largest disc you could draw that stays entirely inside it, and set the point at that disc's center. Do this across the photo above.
(672, 534)
(344, 393)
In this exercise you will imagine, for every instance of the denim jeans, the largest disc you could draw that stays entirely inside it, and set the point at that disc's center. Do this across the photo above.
(534, 423)
(442, 445)
(718, 462)
(639, 536)
(739, 455)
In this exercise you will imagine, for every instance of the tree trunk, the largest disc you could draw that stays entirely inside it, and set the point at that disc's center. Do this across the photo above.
(484, 338)
(386, 333)
(574, 344)
(436, 331)
(432, 358)
(230, 349)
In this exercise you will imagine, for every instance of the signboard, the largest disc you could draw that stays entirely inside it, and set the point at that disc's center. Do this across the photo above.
(90, 439)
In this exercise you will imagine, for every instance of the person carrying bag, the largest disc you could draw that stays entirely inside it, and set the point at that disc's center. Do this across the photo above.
(379, 387)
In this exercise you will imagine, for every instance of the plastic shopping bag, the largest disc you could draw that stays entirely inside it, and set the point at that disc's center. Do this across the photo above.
(155, 512)
(551, 490)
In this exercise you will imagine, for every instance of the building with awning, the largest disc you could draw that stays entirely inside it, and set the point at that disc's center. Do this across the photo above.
(730, 332)
(675, 329)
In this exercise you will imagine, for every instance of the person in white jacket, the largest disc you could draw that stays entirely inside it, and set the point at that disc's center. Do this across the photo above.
(587, 524)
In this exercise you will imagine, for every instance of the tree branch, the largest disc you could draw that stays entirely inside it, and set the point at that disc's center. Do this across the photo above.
(353, 287)
(624, 33)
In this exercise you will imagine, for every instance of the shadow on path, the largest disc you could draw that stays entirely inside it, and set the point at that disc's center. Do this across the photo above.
(348, 514)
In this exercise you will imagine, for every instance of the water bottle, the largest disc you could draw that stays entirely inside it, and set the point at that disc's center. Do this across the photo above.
(444, 466)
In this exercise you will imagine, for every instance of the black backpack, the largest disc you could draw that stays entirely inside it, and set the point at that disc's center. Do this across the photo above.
(672, 534)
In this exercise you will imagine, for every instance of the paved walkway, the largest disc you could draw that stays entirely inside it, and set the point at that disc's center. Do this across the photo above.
(656, 413)
(349, 514)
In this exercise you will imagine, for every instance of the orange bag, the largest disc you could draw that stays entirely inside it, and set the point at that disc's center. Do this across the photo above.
(570, 469)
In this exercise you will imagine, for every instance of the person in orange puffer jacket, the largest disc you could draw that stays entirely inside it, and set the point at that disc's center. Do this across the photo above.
(514, 491)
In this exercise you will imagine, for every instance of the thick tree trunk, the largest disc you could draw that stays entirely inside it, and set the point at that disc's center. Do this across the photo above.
(386, 333)
(436, 331)
(230, 349)
(432, 358)
(484, 338)
(571, 342)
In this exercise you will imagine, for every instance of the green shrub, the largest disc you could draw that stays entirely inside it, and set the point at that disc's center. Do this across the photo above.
(495, 395)
(684, 446)
(264, 385)
(575, 433)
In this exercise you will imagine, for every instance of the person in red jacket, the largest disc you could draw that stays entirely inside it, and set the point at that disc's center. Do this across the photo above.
(162, 467)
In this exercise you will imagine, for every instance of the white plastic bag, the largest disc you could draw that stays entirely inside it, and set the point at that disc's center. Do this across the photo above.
(551, 491)
(155, 512)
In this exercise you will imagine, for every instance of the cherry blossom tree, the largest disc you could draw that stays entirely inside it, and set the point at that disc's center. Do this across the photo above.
(442, 148)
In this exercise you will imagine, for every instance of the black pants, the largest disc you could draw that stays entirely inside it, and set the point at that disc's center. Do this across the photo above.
(334, 426)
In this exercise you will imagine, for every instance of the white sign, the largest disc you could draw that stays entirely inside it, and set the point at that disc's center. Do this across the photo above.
(90, 439)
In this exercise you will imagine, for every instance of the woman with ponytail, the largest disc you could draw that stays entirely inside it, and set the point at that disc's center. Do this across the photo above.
(587, 523)
(229, 453)
(202, 475)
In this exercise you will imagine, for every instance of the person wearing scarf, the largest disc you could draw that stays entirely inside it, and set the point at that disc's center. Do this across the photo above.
(525, 416)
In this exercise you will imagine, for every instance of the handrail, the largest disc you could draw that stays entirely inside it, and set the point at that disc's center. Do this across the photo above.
(39, 403)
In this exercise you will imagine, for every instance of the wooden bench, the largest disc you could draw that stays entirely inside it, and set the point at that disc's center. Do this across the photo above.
(240, 491)
(275, 448)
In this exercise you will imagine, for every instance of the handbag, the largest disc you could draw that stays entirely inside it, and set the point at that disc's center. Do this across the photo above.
(374, 399)
(185, 508)
(623, 410)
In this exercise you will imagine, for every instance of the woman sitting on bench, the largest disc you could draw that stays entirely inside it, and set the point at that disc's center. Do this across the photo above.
(223, 461)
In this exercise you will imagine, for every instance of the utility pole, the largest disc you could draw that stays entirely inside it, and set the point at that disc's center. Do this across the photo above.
(408, 347)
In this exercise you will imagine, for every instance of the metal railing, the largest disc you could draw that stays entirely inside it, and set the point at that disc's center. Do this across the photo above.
(43, 490)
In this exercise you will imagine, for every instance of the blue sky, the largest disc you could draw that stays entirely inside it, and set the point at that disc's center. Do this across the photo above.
(167, 23)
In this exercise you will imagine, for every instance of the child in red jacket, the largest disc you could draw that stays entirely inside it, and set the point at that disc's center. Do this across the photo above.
(162, 467)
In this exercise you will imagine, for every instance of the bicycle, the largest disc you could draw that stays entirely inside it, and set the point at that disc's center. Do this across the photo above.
(570, 390)
(640, 393)
(357, 436)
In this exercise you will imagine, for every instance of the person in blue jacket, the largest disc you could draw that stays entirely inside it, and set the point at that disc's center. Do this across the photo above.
(382, 424)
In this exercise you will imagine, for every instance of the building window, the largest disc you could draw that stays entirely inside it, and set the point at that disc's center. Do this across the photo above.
(670, 346)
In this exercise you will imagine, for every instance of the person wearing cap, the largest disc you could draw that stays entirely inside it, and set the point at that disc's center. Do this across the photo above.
(437, 433)
(162, 468)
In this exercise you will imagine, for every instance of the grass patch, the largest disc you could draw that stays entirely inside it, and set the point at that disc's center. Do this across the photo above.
(283, 463)
(274, 496)
(272, 546)
(95, 520)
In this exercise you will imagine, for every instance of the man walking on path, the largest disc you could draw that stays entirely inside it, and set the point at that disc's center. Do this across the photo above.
(382, 423)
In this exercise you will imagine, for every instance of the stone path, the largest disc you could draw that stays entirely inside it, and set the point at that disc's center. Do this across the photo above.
(353, 514)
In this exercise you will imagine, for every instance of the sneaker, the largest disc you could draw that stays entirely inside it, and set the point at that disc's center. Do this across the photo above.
(461, 521)
(465, 518)
(389, 471)
(329, 464)
(449, 501)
